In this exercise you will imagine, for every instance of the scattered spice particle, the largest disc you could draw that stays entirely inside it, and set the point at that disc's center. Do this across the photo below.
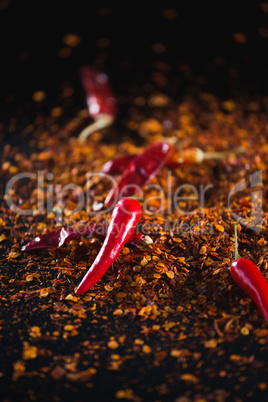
(113, 344)
(19, 369)
(13, 255)
(210, 344)
(118, 312)
(125, 250)
(244, 331)
(39, 96)
(203, 250)
(261, 333)
(44, 293)
(29, 351)
(72, 40)
(115, 356)
(68, 327)
(189, 378)
(262, 386)
(127, 394)
(138, 341)
(144, 261)
(108, 288)
(71, 297)
(235, 358)
(29, 278)
(220, 228)
(174, 290)
(175, 353)
(3, 237)
(146, 349)
(35, 332)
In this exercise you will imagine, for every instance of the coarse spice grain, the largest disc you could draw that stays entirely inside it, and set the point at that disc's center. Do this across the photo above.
(170, 304)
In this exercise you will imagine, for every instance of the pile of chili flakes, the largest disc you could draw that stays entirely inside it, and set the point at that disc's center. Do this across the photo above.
(166, 320)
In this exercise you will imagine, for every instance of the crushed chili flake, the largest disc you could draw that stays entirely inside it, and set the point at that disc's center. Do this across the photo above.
(168, 302)
(29, 351)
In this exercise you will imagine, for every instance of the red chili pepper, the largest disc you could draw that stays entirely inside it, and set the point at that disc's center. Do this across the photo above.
(249, 278)
(186, 157)
(125, 217)
(117, 165)
(100, 99)
(140, 170)
(61, 236)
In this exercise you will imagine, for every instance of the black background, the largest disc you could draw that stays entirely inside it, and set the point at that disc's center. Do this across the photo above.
(201, 35)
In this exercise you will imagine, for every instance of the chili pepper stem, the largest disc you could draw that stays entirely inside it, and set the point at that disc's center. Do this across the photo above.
(177, 143)
(137, 198)
(197, 155)
(236, 256)
(223, 154)
(102, 120)
(173, 141)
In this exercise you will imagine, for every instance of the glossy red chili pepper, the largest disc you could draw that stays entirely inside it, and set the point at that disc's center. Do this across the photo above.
(125, 217)
(186, 157)
(117, 165)
(100, 99)
(249, 278)
(140, 170)
(61, 236)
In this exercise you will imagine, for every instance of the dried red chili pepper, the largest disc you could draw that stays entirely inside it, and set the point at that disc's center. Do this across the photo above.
(61, 236)
(117, 165)
(125, 217)
(100, 99)
(140, 170)
(186, 157)
(249, 278)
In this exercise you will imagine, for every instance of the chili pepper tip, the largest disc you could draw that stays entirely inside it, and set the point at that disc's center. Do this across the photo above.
(125, 216)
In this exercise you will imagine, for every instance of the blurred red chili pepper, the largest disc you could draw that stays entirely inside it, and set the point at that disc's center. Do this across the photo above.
(186, 157)
(117, 165)
(61, 236)
(125, 216)
(249, 278)
(100, 99)
(140, 170)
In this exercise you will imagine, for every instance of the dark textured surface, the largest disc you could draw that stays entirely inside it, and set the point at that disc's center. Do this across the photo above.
(200, 38)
